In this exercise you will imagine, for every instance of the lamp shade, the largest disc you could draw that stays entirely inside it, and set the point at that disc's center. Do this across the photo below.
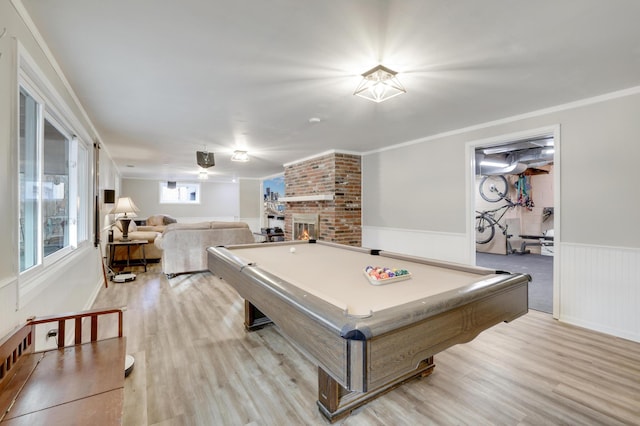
(126, 206)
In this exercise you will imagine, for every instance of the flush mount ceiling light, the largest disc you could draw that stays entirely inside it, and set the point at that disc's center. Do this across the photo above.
(379, 84)
(242, 156)
(205, 159)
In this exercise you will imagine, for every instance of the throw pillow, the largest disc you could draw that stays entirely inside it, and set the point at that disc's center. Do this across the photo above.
(168, 219)
(154, 220)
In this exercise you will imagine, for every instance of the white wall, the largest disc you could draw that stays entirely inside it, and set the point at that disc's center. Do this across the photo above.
(72, 283)
(218, 201)
(597, 154)
(251, 202)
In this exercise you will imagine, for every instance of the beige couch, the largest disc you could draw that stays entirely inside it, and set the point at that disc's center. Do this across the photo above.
(154, 226)
(184, 245)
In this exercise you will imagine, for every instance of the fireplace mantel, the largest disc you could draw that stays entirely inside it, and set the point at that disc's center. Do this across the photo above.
(301, 198)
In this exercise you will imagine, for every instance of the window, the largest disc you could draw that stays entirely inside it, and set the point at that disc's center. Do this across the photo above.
(53, 169)
(179, 193)
(30, 112)
(55, 189)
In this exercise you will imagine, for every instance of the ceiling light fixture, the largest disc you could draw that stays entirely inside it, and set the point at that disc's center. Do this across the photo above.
(241, 156)
(205, 159)
(379, 84)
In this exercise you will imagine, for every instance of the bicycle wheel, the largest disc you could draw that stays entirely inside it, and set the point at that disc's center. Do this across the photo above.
(485, 229)
(493, 188)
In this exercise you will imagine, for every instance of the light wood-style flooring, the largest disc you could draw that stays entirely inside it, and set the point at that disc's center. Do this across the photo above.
(196, 365)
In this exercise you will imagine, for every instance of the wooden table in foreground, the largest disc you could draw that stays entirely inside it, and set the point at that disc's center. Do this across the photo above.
(366, 339)
(81, 384)
(91, 392)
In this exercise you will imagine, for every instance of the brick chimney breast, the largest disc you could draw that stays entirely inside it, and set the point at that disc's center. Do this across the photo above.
(337, 174)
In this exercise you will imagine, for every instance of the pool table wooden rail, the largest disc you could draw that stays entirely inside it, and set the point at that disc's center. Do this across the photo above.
(373, 354)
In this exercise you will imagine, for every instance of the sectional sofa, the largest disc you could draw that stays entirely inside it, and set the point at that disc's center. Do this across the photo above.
(184, 245)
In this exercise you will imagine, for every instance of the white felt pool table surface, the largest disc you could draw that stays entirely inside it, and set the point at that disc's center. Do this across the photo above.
(336, 275)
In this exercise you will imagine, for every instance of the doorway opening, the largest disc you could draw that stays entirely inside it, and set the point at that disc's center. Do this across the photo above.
(514, 212)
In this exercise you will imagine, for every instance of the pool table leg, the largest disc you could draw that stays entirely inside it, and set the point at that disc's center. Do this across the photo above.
(336, 402)
(253, 318)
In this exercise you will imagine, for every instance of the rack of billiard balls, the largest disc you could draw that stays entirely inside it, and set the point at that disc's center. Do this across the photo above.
(382, 275)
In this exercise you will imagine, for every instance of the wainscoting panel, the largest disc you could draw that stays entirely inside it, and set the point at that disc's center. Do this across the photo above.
(450, 247)
(600, 289)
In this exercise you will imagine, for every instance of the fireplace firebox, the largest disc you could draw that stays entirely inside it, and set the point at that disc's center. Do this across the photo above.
(305, 226)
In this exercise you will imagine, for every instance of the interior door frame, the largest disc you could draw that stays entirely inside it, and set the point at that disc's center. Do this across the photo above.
(553, 130)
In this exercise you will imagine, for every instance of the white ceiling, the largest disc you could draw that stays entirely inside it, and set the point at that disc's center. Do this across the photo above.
(161, 79)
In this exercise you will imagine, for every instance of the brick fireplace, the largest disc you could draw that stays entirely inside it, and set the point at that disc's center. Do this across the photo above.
(327, 187)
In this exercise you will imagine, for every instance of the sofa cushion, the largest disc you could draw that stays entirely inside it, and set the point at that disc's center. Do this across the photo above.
(155, 220)
(160, 220)
(157, 228)
(197, 225)
(226, 225)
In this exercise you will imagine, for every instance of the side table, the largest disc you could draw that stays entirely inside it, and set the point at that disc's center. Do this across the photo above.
(270, 237)
(128, 244)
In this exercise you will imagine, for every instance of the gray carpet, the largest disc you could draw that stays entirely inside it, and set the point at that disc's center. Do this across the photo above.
(539, 267)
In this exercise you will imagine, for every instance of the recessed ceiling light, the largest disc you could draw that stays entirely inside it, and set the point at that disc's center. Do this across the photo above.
(314, 120)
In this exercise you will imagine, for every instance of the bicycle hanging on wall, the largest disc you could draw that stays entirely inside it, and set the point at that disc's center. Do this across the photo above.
(492, 188)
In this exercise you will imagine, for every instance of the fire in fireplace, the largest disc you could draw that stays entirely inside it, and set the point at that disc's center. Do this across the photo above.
(305, 226)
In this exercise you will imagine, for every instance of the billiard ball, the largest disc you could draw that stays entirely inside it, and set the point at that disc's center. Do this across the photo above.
(292, 250)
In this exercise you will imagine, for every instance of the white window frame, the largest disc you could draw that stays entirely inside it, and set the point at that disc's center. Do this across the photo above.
(72, 244)
(53, 109)
(163, 188)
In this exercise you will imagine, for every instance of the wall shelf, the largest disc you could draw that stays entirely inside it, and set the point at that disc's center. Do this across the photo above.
(300, 198)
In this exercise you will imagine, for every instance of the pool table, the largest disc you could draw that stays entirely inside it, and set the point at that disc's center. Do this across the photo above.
(365, 336)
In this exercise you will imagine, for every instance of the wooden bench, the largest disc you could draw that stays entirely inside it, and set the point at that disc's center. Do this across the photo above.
(78, 384)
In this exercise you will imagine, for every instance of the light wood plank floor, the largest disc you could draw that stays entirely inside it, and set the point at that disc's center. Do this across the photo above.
(195, 365)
